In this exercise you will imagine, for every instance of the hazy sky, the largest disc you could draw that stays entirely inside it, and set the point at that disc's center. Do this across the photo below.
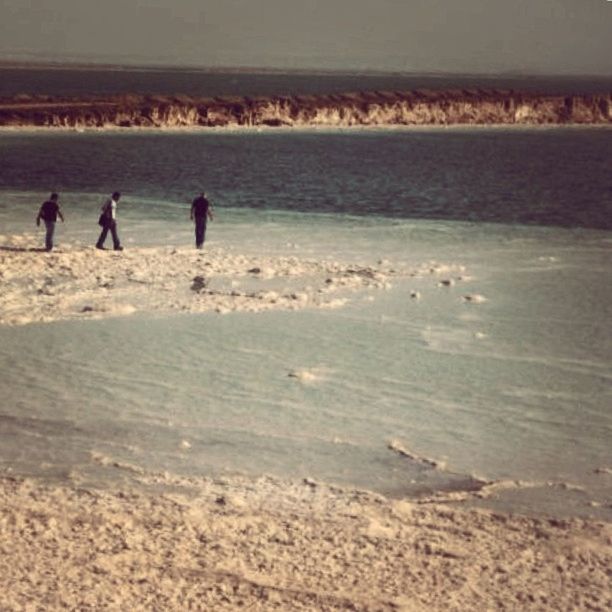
(528, 36)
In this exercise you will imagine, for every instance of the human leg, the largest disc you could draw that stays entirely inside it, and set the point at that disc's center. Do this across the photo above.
(197, 232)
(200, 231)
(116, 242)
(50, 225)
(102, 238)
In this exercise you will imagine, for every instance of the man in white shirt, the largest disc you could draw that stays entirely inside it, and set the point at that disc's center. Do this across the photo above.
(108, 221)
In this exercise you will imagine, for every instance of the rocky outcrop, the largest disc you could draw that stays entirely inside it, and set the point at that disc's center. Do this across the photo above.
(377, 108)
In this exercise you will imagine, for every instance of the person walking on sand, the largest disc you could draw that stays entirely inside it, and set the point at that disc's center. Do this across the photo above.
(108, 221)
(49, 212)
(201, 211)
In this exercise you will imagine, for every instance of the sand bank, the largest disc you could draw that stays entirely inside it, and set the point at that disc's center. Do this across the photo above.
(272, 545)
(81, 282)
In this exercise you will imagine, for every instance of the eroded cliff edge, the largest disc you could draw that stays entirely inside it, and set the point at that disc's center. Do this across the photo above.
(376, 108)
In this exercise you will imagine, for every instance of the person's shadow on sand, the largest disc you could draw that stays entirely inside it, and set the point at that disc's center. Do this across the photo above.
(23, 249)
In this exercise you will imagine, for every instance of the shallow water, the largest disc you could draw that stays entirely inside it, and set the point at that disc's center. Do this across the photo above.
(514, 388)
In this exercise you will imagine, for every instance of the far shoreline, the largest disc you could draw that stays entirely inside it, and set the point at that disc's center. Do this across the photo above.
(363, 108)
(307, 129)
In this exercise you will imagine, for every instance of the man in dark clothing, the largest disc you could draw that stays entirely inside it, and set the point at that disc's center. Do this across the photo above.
(49, 212)
(108, 221)
(201, 210)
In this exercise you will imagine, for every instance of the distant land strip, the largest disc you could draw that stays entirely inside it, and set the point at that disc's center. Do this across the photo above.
(371, 108)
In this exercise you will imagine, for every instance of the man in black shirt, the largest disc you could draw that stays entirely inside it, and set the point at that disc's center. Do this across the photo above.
(201, 210)
(49, 212)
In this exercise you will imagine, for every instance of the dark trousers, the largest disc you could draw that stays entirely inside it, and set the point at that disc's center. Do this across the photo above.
(50, 225)
(200, 231)
(112, 226)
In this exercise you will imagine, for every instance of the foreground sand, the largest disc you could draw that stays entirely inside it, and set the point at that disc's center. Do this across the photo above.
(269, 545)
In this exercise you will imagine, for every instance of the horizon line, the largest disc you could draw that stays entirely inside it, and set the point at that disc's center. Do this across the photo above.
(72, 64)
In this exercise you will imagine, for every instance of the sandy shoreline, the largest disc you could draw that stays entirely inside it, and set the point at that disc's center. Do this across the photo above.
(273, 545)
(81, 282)
(305, 129)
(163, 543)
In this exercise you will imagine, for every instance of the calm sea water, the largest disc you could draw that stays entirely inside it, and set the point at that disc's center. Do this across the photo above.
(516, 388)
(557, 176)
(103, 81)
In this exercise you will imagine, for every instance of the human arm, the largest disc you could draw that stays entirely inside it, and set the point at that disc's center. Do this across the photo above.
(108, 208)
(192, 212)
(59, 214)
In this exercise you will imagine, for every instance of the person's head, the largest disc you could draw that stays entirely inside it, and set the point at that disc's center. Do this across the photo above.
(116, 196)
(54, 197)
